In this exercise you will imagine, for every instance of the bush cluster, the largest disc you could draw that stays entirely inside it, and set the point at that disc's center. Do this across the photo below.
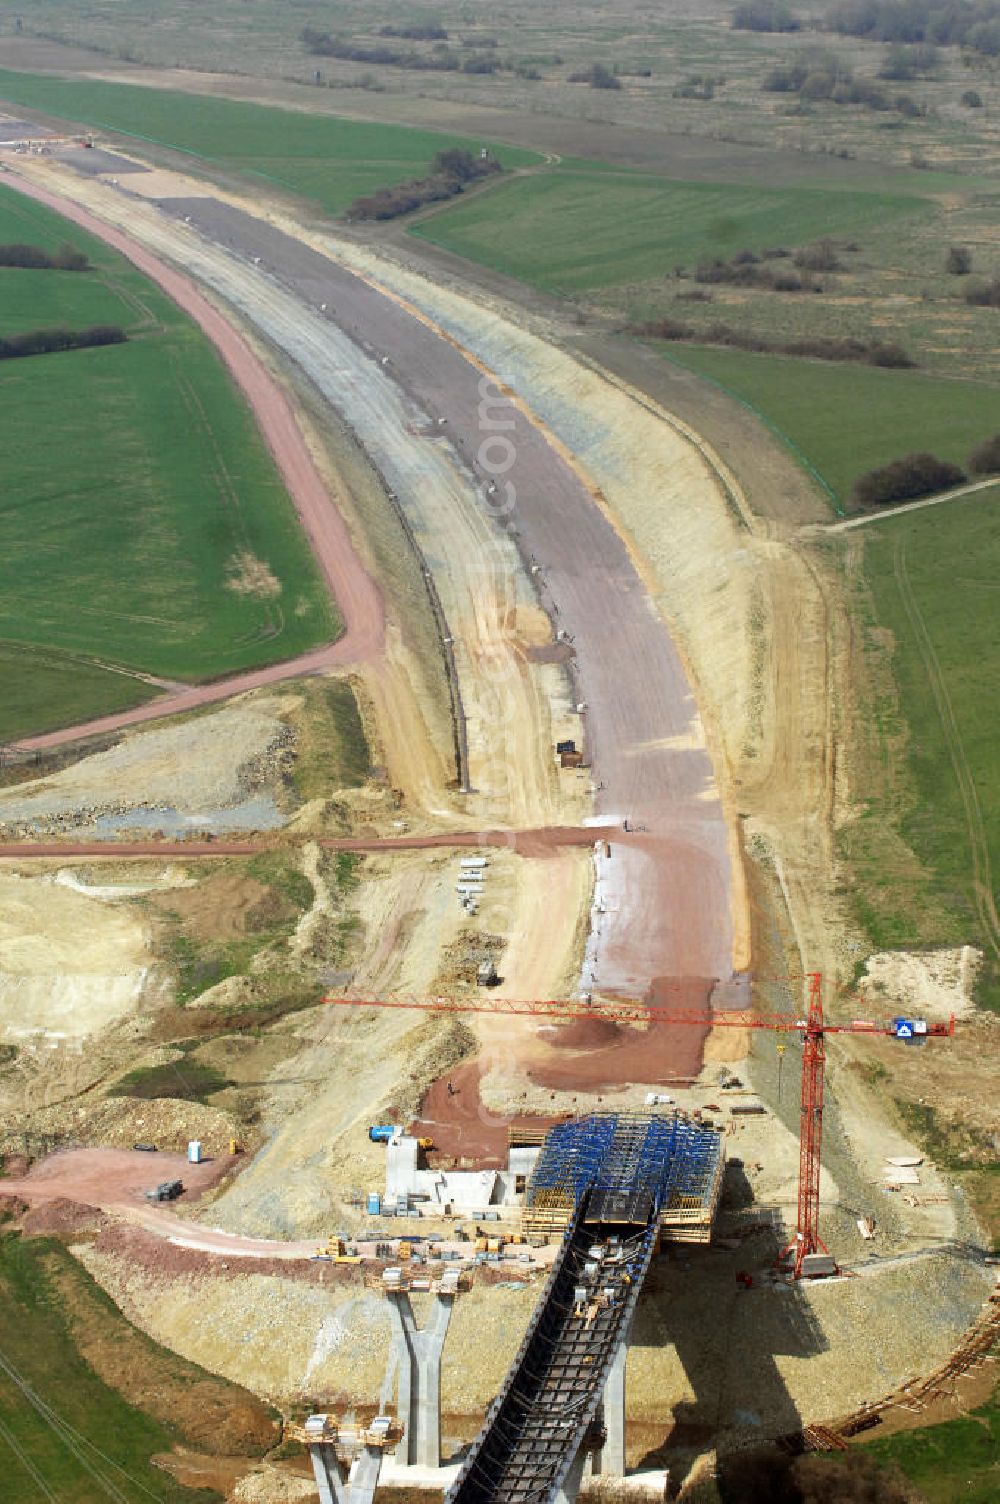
(868, 352)
(764, 15)
(416, 33)
(746, 270)
(450, 171)
(46, 341)
(984, 294)
(698, 86)
(985, 458)
(322, 44)
(974, 24)
(824, 78)
(598, 76)
(904, 63)
(66, 259)
(906, 479)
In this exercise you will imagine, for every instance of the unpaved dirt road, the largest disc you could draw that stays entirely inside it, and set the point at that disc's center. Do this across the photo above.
(540, 842)
(355, 593)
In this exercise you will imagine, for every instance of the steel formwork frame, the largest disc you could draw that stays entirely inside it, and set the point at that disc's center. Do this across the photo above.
(674, 1161)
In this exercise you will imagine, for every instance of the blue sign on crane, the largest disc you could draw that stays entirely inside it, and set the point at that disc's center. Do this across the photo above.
(909, 1029)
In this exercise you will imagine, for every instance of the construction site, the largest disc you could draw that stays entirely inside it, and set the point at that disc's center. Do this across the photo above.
(566, 1167)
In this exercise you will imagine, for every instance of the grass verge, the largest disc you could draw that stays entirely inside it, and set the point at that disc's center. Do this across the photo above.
(577, 230)
(319, 157)
(924, 856)
(65, 1432)
(42, 690)
(959, 1459)
(150, 529)
(331, 746)
(841, 421)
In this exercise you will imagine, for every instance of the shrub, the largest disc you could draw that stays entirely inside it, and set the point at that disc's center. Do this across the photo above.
(984, 294)
(819, 257)
(450, 171)
(696, 86)
(958, 262)
(972, 24)
(903, 63)
(873, 352)
(972, 99)
(416, 33)
(598, 77)
(906, 479)
(985, 458)
(764, 15)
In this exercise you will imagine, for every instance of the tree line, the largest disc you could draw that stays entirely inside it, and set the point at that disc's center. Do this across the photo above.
(874, 352)
(450, 171)
(974, 24)
(33, 258)
(922, 474)
(47, 341)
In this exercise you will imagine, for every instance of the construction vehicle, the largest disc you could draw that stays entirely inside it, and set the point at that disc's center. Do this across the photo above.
(167, 1190)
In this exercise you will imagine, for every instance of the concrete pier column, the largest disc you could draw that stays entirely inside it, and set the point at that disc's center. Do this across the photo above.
(570, 1486)
(418, 1371)
(329, 1474)
(609, 1461)
(340, 1484)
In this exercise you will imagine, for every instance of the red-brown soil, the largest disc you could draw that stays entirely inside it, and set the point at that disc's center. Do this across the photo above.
(461, 1127)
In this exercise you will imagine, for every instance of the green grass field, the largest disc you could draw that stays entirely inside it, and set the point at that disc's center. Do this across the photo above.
(63, 1433)
(934, 578)
(38, 685)
(320, 157)
(959, 1459)
(137, 494)
(842, 420)
(579, 230)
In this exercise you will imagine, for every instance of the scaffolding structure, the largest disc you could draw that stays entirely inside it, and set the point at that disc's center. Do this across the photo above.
(632, 1165)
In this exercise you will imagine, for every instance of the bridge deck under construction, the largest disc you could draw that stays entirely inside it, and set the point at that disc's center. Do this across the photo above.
(621, 1172)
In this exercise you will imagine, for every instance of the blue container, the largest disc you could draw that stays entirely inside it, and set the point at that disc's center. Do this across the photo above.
(374, 1204)
(381, 1133)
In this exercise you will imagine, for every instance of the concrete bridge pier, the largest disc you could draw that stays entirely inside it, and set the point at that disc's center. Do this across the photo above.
(418, 1359)
(609, 1460)
(570, 1486)
(339, 1483)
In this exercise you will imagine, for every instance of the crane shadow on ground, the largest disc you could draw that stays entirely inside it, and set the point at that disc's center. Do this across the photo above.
(724, 1328)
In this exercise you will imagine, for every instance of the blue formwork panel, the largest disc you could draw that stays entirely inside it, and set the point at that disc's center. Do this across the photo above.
(651, 1158)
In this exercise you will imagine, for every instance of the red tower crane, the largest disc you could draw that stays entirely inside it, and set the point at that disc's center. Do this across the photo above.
(813, 1029)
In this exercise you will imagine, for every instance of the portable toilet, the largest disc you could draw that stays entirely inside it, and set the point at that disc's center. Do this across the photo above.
(194, 1151)
(374, 1204)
